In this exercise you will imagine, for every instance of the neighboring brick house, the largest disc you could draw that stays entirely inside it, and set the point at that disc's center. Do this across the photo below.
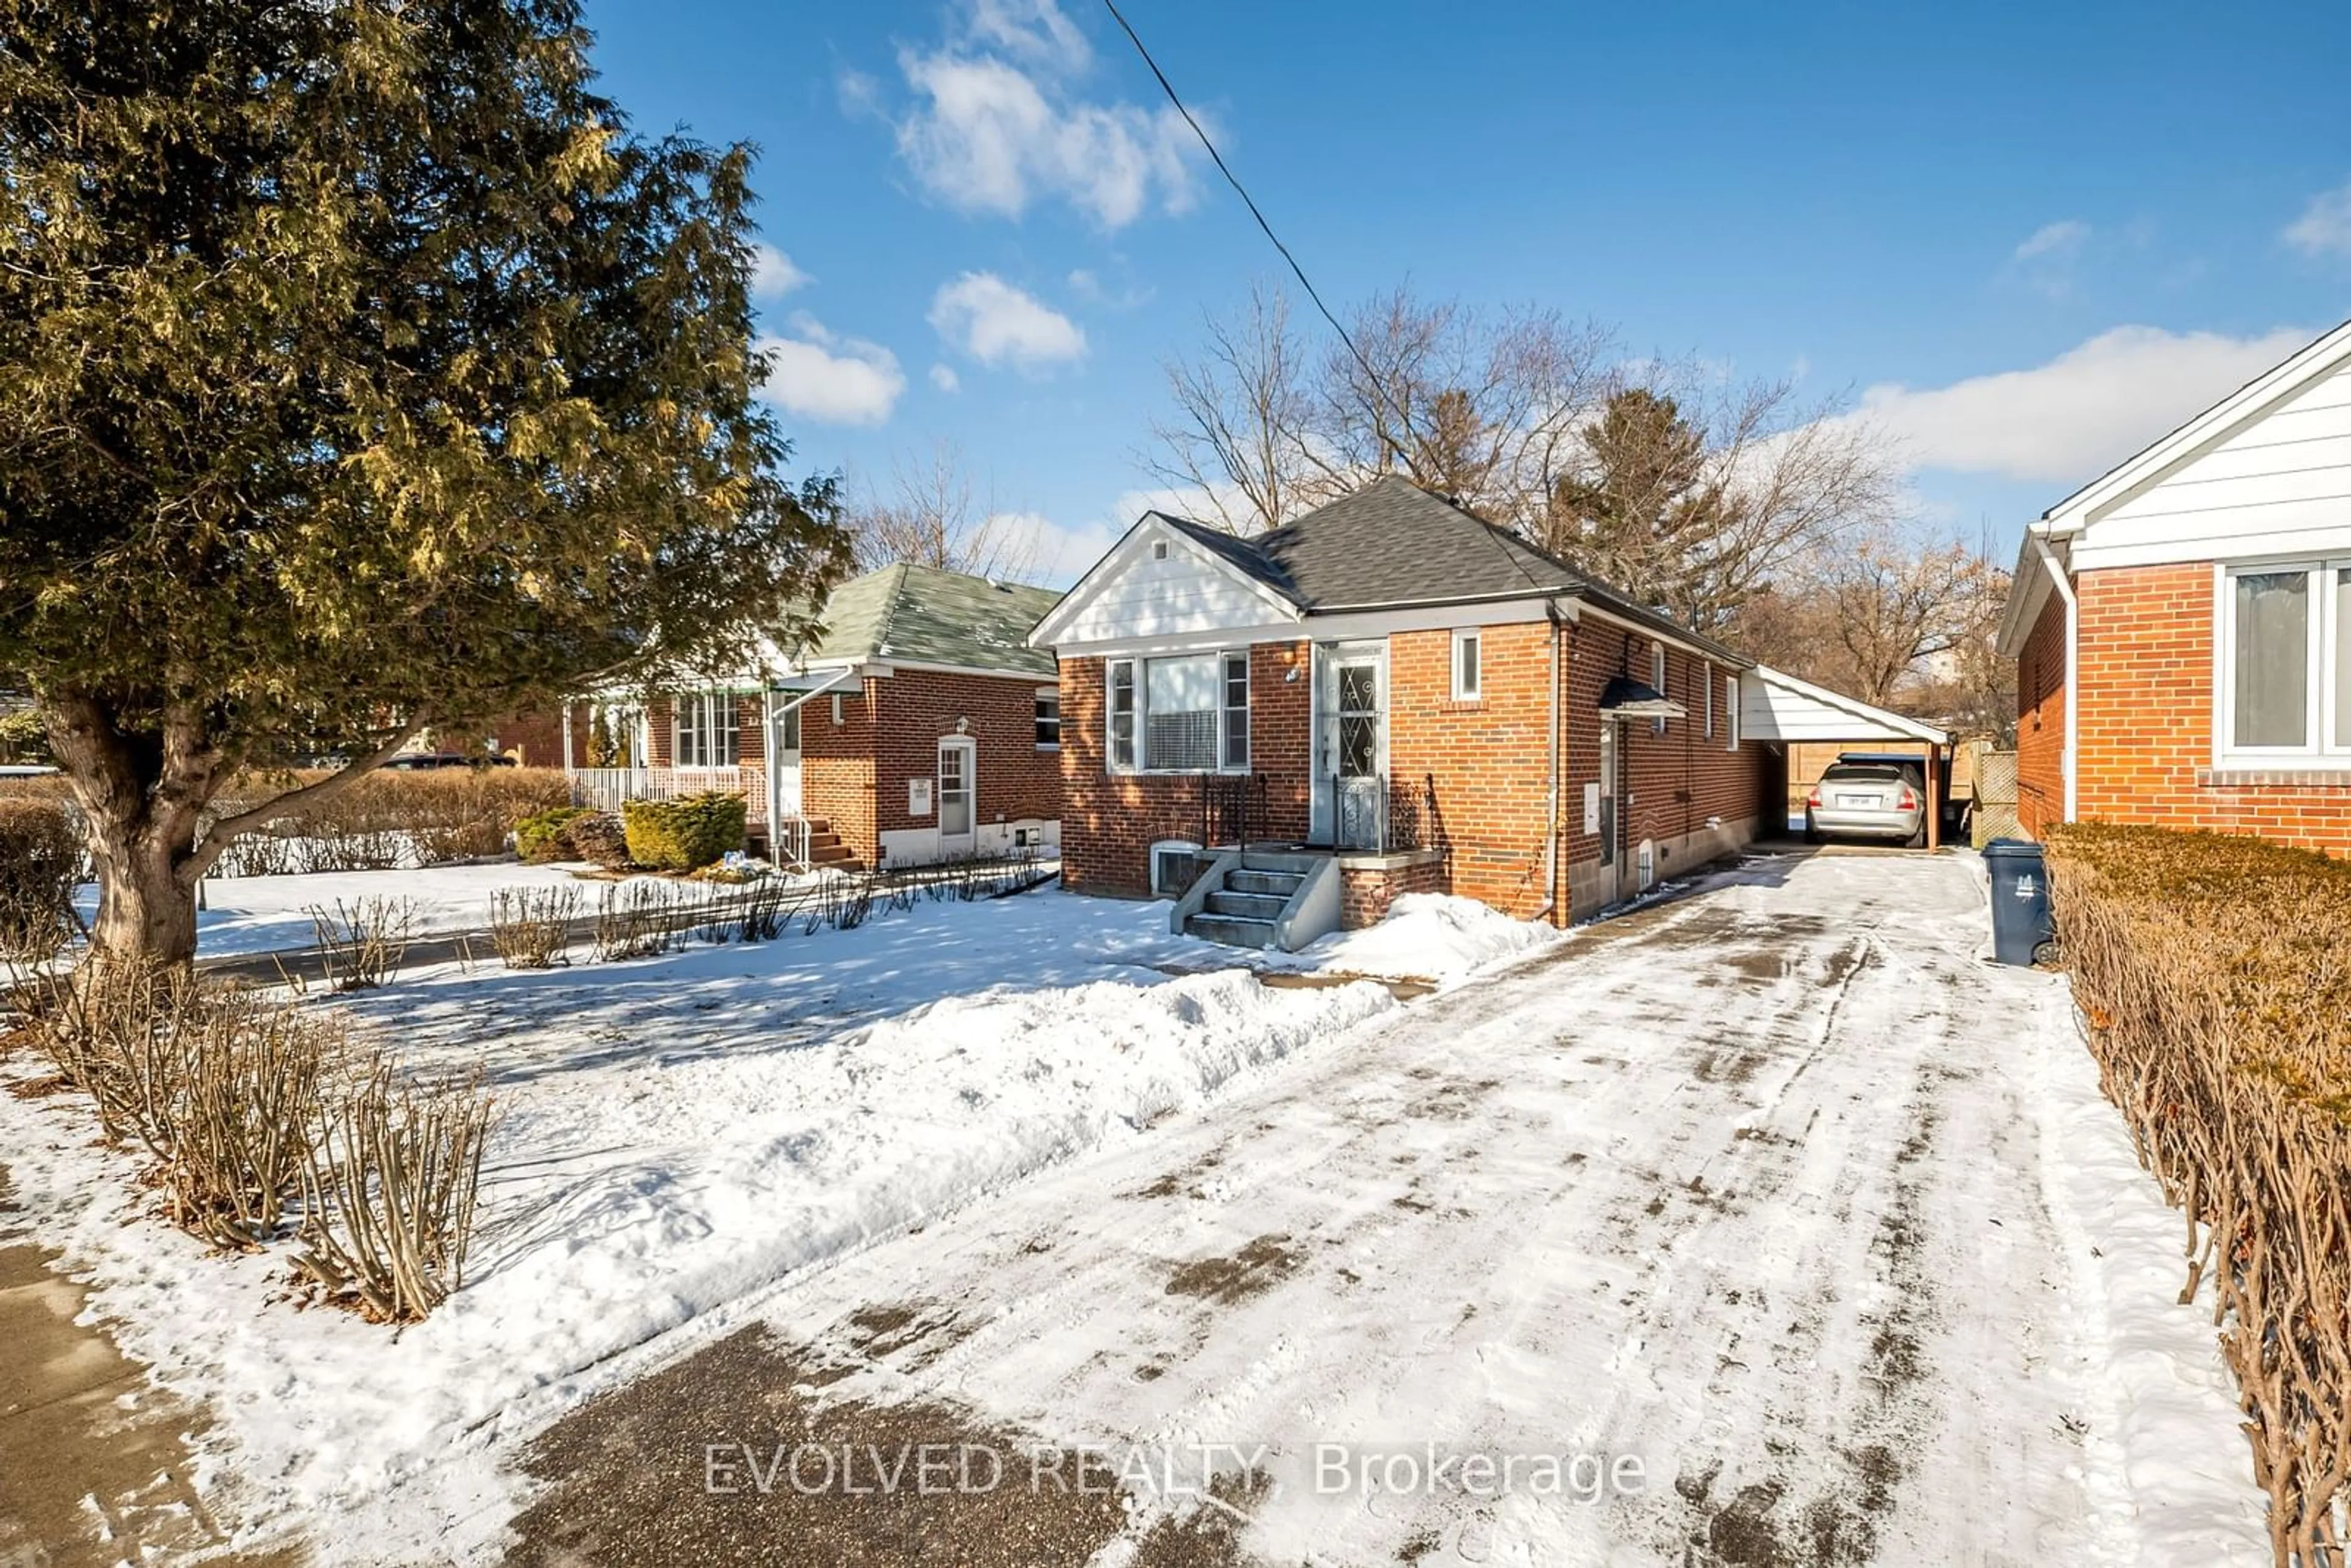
(2182, 626)
(917, 726)
(1407, 690)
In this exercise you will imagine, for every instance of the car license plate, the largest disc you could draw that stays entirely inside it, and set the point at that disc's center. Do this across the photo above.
(1859, 801)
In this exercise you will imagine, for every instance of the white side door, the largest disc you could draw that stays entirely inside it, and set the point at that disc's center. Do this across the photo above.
(959, 796)
(784, 750)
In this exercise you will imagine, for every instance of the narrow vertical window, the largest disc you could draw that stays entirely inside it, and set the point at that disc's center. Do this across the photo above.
(1706, 685)
(2343, 658)
(1121, 711)
(1236, 712)
(1469, 665)
(1730, 712)
(1049, 721)
(1657, 681)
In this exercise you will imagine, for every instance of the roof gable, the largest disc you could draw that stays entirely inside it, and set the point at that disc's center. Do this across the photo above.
(2249, 404)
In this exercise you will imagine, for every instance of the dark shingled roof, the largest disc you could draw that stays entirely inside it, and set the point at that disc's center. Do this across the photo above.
(1393, 545)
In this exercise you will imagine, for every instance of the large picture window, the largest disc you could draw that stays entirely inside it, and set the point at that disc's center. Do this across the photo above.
(2285, 641)
(1182, 714)
(706, 730)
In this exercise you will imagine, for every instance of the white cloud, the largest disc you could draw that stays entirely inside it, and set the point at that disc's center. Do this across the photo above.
(824, 376)
(2324, 226)
(1033, 29)
(2047, 259)
(944, 378)
(2079, 415)
(2065, 237)
(774, 274)
(996, 125)
(996, 323)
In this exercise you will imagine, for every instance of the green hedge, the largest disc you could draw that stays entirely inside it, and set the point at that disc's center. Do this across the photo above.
(685, 834)
(547, 835)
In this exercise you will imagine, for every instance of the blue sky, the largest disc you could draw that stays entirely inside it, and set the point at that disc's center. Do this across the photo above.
(2026, 239)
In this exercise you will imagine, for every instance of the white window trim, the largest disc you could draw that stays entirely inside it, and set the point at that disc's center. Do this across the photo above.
(1476, 692)
(1111, 764)
(2322, 752)
(1707, 681)
(1660, 672)
(1731, 706)
(1053, 695)
(706, 707)
(1225, 763)
(1142, 714)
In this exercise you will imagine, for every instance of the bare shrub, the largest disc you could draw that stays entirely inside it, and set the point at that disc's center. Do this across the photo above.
(634, 920)
(389, 1190)
(361, 941)
(2215, 974)
(220, 1086)
(759, 910)
(530, 928)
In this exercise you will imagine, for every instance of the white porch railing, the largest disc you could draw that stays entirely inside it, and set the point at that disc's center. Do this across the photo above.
(605, 787)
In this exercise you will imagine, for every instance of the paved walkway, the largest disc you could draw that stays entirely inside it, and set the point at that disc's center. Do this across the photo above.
(93, 1458)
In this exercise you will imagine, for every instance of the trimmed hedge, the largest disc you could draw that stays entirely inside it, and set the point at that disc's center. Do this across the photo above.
(547, 835)
(40, 862)
(2215, 975)
(390, 819)
(685, 834)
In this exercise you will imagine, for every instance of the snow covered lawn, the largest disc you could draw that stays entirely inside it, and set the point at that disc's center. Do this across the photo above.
(243, 915)
(681, 1135)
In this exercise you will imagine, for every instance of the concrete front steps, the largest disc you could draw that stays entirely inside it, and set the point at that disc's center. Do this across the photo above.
(1261, 898)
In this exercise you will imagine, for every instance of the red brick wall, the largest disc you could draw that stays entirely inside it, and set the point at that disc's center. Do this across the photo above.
(2041, 722)
(2146, 646)
(1110, 820)
(534, 736)
(1669, 784)
(1487, 762)
(1365, 895)
(837, 763)
(919, 707)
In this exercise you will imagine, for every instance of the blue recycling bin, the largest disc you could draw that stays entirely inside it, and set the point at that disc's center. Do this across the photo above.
(2020, 900)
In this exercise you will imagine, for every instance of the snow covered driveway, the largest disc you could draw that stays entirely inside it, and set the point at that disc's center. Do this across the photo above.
(1776, 1192)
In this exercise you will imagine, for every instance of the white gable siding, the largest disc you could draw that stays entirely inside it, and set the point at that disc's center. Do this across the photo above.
(1185, 593)
(2279, 483)
(1769, 709)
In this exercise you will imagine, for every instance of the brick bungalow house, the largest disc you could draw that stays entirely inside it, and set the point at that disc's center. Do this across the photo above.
(918, 726)
(2182, 625)
(1401, 697)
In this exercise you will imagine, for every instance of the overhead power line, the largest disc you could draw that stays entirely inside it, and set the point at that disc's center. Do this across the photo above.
(1371, 377)
(1373, 381)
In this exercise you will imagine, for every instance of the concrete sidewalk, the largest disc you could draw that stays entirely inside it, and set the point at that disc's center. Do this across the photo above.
(94, 1458)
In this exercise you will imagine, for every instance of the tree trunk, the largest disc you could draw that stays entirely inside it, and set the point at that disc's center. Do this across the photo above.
(141, 797)
(146, 902)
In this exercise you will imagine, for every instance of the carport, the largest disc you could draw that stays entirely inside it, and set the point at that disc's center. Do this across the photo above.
(1806, 727)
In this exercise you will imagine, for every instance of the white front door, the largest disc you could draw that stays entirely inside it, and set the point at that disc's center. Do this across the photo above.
(1350, 744)
(958, 790)
(784, 754)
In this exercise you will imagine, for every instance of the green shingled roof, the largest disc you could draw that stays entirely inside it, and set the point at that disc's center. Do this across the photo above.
(917, 614)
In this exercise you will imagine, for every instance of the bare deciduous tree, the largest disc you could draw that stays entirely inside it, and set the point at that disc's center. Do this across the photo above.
(1695, 493)
(1239, 431)
(1485, 408)
(1903, 623)
(930, 518)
